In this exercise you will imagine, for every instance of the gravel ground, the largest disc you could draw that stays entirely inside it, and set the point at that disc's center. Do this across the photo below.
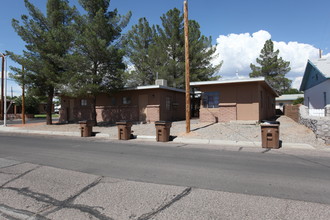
(290, 131)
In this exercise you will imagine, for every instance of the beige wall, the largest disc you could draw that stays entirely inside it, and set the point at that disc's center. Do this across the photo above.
(267, 102)
(239, 101)
(152, 113)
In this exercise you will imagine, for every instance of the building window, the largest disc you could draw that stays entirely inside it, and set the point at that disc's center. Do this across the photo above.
(211, 99)
(168, 103)
(83, 102)
(325, 98)
(127, 100)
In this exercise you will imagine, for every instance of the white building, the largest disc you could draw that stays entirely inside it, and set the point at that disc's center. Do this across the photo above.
(283, 100)
(316, 84)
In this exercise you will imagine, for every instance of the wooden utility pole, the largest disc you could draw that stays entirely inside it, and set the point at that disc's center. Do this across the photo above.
(23, 98)
(186, 40)
(2, 86)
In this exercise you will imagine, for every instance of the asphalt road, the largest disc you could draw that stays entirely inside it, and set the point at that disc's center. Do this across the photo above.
(304, 177)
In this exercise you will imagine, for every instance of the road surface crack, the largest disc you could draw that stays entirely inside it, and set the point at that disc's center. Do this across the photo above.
(19, 176)
(83, 208)
(12, 165)
(17, 214)
(58, 205)
(167, 205)
(94, 183)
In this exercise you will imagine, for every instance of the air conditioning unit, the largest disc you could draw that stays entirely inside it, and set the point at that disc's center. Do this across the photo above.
(161, 82)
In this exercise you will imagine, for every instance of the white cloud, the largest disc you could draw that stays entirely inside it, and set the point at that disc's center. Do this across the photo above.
(296, 82)
(239, 50)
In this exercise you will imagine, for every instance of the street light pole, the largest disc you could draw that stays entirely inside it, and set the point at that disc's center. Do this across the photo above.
(4, 87)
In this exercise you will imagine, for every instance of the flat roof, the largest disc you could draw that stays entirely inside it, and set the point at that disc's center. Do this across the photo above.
(223, 81)
(156, 87)
(289, 97)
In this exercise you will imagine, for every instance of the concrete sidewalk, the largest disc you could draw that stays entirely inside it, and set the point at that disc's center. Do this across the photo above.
(111, 134)
(30, 191)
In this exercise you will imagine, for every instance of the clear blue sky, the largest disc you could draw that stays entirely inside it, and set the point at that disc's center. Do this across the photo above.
(304, 21)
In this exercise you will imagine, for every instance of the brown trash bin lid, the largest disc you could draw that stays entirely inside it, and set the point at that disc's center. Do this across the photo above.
(123, 123)
(265, 122)
(162, 122)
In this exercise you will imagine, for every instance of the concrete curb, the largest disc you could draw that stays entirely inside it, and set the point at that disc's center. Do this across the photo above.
(24, 131)
(176, 140)
(239, 143)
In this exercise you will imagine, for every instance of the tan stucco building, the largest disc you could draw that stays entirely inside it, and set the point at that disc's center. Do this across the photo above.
(250, 99)
(141, 104)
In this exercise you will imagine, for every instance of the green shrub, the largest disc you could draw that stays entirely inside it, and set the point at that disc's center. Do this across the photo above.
(298, 101)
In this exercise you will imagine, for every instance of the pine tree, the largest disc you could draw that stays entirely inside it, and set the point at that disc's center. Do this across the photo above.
(97, 63)
(48, 40)
(164, 54)
(139, 44)
(272, 68)
(201, 54)
(170, 45)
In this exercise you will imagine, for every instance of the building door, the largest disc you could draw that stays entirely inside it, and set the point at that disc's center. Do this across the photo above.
(71, 110)
(143, 102)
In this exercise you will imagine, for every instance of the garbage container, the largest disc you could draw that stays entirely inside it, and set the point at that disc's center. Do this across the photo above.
(270, 134)
(124, 130)
(86, 128)
(163, 130)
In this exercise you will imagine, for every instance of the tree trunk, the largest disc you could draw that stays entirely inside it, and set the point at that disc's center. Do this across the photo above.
(49, 120)
(94, 110)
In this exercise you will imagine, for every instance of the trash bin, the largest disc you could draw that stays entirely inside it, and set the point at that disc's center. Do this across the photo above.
(270, 134)
(86, 128)
(163, 130)
(124, 130)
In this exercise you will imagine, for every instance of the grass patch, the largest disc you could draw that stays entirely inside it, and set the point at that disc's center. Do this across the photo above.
(44, 116)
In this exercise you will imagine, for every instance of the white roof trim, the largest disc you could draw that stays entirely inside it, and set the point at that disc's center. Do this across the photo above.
(259, 79)
(156, 87)
(289, 97)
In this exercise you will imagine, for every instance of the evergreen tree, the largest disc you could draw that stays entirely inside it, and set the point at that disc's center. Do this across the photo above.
(164, 54)
(139, 44)
(293, 91)
(272, 68)
(201, 54)
(170, 46)
(48, 40)
(97, 62)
